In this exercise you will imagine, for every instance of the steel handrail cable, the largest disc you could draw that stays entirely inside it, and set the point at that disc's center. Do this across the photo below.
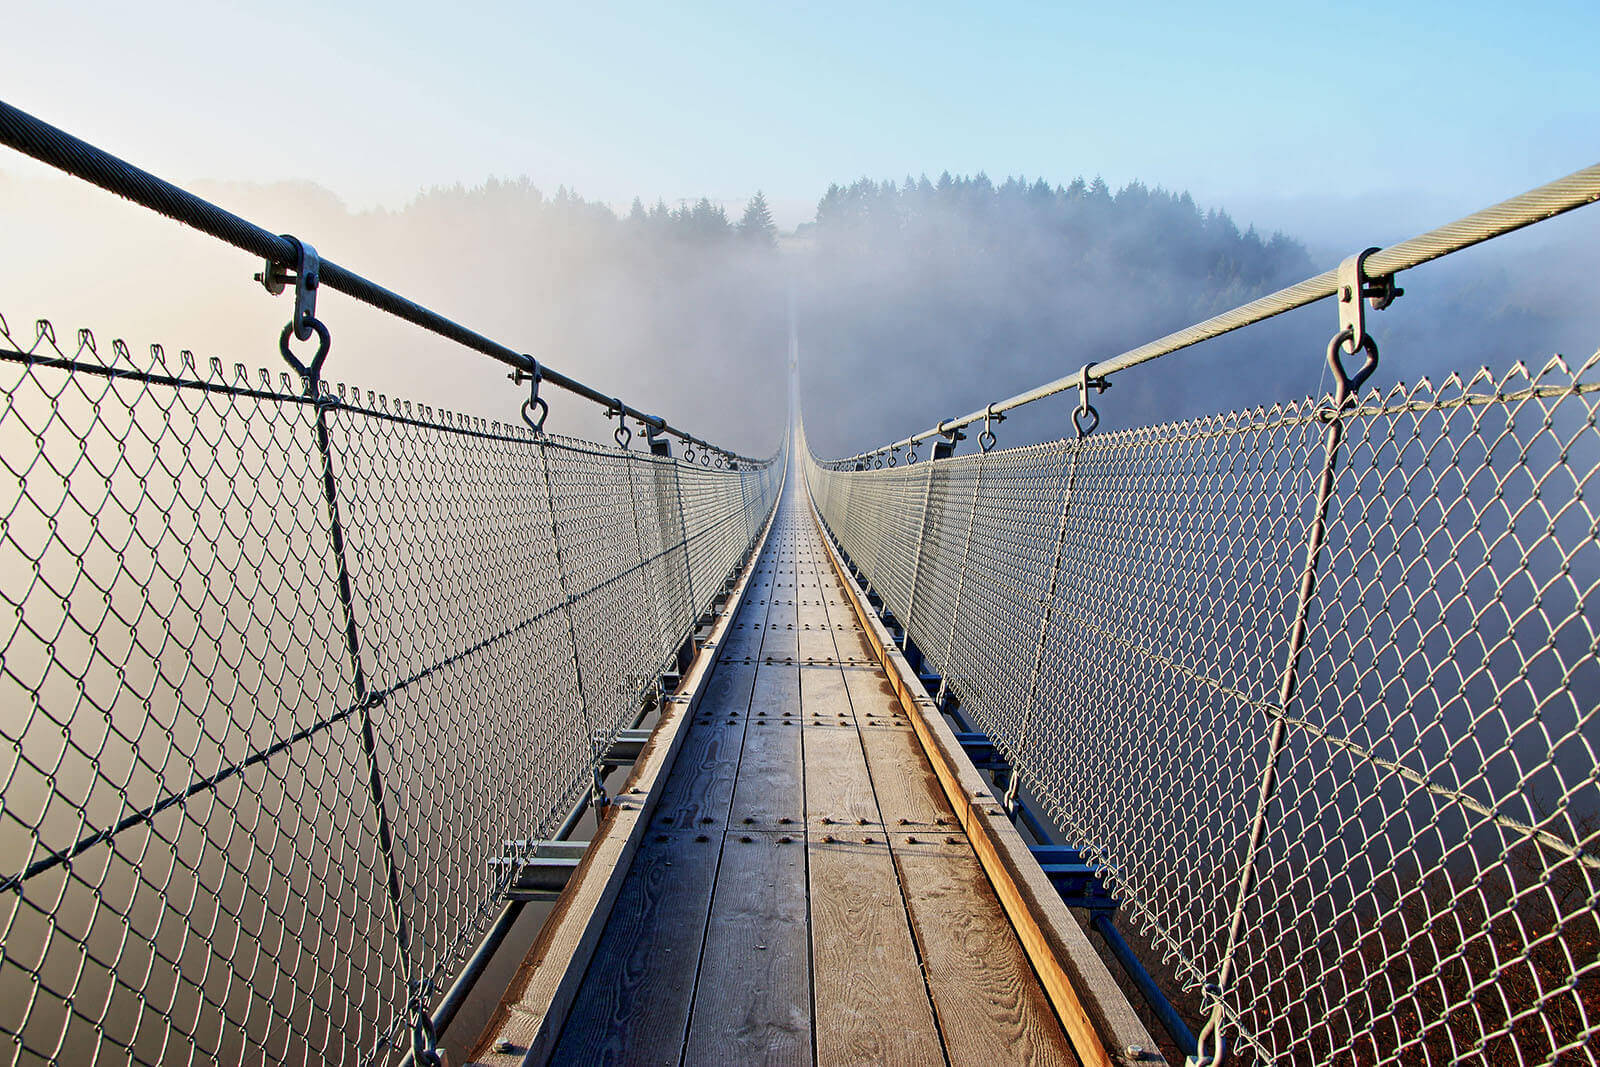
(1578, 189)
(57, 148)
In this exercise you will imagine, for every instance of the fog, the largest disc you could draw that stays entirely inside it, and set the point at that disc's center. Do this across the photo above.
(915, 299)
(924, 302)
(678, 311)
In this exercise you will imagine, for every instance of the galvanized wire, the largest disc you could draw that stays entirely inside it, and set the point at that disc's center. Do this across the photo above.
(196, 783)
(1427, 881)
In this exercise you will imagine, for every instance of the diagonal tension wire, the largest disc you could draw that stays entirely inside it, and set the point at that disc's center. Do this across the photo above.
(59, 149)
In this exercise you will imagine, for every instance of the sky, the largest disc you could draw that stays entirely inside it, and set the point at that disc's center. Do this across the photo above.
(1342, 125)
(1298, 115)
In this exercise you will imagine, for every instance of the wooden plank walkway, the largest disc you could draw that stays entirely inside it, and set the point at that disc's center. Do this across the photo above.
(804, 893)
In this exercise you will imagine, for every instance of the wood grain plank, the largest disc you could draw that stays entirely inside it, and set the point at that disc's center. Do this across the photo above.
(633, 1006)
(701, 785)
(753, 1001)
(871, 1000)
(770, 791)
(838, 788)
(743, 639)
(874, 699)
(990, 1006)
(816, 636)
(908, 792)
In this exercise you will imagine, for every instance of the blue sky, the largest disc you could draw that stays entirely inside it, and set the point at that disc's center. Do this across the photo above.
(1288, 114)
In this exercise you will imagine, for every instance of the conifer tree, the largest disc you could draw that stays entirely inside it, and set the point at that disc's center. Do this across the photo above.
(757, 226)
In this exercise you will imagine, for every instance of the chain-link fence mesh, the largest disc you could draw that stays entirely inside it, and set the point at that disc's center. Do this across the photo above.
(274, 669)
(1116, 613)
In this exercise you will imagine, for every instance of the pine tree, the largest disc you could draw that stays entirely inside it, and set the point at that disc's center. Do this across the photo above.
(757, 226)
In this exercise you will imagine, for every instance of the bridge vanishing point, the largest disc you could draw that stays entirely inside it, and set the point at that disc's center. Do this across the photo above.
(343, 729)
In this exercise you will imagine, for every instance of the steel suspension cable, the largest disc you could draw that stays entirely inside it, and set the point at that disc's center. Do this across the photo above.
(57, 148)
(1576, 190)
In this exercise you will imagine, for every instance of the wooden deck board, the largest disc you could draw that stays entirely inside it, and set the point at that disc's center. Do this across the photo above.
(770, 791)
(806, 893)
(753, 1000)
(838, 788)
(633, 1005)
(871, 1000)
(989, 1004)
(908, 792)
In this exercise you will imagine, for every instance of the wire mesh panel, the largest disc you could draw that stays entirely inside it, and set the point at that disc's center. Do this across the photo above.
(1426, 885)
(282, 674)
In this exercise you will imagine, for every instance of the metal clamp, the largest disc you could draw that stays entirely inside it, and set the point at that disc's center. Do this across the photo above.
(534, 403)
(306, 280)
(986, 438)
(1085, 417)
(615, 410)
(1354, 287)
(953, 434)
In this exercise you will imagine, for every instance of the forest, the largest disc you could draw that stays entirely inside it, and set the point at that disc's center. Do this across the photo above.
(914, 300)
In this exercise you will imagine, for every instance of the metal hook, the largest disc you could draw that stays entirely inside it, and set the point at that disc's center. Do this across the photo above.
(986, 438)
(615, 409)
(309, 372)
(1354, 287)
(535, 402)
(1086, 418)
(1348, 383)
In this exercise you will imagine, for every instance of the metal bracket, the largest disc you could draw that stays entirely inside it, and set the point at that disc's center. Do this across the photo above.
(990, 416)
(1356, 286)
(1087, 382)
(1085, 417)
(306, 279)
(540, 869)
(535, 403)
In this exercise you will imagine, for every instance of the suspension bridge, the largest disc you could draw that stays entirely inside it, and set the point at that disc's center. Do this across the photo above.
(1267, 736)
